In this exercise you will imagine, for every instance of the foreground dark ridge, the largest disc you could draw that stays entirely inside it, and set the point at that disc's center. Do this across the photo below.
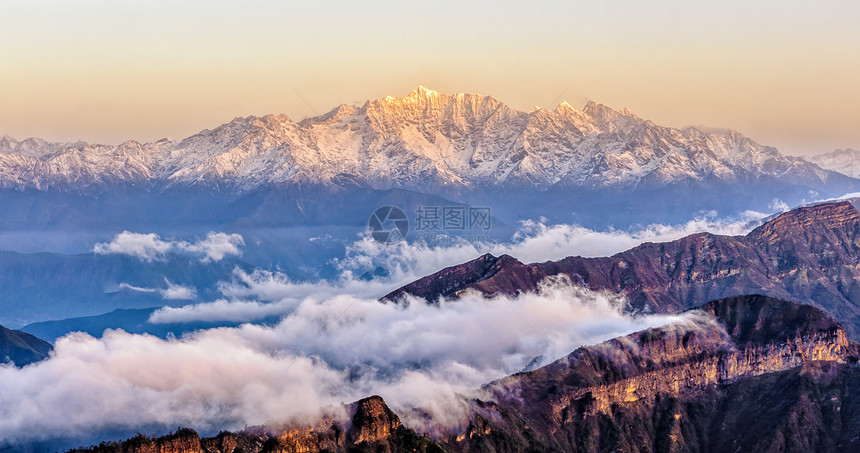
(810, 254)
(748, 373)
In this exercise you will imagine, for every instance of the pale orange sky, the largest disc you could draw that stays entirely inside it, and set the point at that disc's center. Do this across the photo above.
(782, 72)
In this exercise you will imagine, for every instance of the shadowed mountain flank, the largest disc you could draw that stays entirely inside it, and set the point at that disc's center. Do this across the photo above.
(810, 254)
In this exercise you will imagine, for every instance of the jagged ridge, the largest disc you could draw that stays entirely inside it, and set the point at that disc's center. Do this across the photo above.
(845, 161)
(809, 254)
(425, 139)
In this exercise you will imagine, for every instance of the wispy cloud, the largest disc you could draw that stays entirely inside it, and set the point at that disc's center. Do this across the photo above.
(151, 247)
(171, 292)
(177, 292)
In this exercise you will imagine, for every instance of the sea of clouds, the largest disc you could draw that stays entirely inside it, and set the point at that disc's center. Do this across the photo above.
(322, 352)
(334, 343)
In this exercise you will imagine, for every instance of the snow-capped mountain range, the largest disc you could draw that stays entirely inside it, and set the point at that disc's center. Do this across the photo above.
(845, 161)
(425, 141)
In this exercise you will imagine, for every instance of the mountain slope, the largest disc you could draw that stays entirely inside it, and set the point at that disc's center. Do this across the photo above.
(749, 373)
(46, 286)
(810, 254)
(130, 320)
(20, 348)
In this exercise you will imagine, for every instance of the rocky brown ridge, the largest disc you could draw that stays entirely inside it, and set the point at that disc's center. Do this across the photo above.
(748, 373)
(370, 426)
(721, 342)
(810, 254)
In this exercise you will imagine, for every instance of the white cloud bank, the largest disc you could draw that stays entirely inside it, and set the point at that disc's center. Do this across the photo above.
(216, 246)
(147, 247)
(259, 294)
(322, 353)
(335, 343)
(535, 242)
(150, 247)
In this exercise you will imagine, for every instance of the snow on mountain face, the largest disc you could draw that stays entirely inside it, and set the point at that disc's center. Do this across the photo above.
(845, 161)
(426, 139)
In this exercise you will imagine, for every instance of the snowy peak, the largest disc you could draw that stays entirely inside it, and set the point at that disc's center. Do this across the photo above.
(426, 140)
(424, 91)
(338, 113)
(604, 117)
(565, 109)
(423, 105)
(845, 161)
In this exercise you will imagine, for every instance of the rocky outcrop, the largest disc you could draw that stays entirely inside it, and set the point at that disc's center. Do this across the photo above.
(372, 421)
(182, 441)
(811, 408)
(705, 349)
(250, 440)
(681, 387)
(810, 254)
(371, 426)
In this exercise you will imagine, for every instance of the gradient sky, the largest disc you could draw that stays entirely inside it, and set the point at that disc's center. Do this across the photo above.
(785, 73)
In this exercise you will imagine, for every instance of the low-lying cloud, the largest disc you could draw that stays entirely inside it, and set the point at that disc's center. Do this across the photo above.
(215, 246)
(147, 247)
(151, 247)
(177, 292)
(255, 295)
(334, 342)
(535, 241)
(172, 291)
(321, 353)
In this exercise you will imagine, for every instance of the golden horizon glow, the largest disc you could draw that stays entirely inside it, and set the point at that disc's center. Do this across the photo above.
(783, 73)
